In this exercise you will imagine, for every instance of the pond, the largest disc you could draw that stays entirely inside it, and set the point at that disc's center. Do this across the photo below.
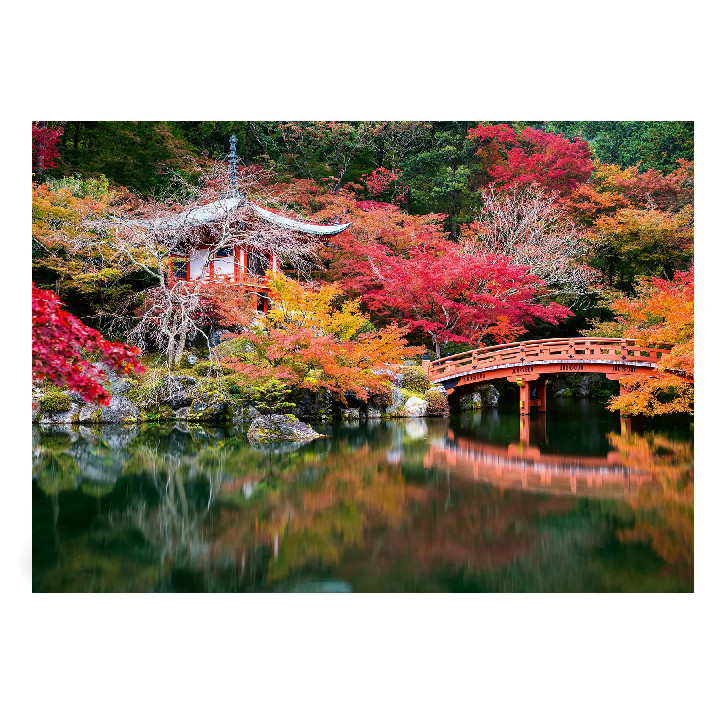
(572, 501)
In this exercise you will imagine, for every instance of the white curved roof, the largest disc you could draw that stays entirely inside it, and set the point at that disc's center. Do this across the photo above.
(196, 216)
(218, 210)
(298, 225)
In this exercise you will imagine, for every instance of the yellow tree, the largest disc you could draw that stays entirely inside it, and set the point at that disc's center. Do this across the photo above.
(309, 340)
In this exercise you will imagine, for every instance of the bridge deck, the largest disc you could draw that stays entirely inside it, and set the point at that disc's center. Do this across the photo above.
(571, 351)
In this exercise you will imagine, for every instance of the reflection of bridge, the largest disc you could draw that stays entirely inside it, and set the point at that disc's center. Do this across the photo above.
(525, 468)
(530, 364)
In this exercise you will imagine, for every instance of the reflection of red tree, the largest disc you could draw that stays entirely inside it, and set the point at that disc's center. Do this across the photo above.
(470, 527)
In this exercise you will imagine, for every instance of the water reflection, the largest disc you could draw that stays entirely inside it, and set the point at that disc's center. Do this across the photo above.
(471, 503)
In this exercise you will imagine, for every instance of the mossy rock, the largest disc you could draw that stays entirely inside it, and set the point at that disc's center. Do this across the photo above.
(157, 413)
(280, 428)
(55, 402)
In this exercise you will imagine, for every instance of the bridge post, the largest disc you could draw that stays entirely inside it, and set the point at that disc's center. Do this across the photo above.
(541, 386)
(524, 397)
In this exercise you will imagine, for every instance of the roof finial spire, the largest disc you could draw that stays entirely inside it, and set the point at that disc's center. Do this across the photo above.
(232, 161)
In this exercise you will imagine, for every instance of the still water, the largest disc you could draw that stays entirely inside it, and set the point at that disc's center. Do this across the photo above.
(573, 501)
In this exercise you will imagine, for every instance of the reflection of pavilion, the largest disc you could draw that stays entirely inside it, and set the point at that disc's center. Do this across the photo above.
(522, 467)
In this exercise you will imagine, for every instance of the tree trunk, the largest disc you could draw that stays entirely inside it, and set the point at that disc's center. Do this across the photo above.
(180, 347)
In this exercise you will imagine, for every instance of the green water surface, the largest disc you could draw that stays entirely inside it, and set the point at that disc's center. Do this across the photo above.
(583, 503)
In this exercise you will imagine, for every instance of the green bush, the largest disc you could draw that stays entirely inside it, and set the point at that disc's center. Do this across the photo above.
(416, 379)
(437, 403)
(272, 398)
(55, 402)
(206, 367)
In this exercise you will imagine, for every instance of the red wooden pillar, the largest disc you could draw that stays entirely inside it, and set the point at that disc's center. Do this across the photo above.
(541, 386)
(525, 398)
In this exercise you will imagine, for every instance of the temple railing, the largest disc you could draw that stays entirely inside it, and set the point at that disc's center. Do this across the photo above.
(581, 349)
(254, 283)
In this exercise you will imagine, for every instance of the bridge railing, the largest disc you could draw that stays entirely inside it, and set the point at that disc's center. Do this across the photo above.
(553, 350)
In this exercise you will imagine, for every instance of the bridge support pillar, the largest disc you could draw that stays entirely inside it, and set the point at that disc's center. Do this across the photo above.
(525, 398)
(541, 386)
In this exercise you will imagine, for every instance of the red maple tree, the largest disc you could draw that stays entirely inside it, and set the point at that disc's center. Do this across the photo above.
(59, 342)
(448, 294)
(44, 146)
(533, 157)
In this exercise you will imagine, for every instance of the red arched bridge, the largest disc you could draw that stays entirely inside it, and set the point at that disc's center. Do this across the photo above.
(531, 364)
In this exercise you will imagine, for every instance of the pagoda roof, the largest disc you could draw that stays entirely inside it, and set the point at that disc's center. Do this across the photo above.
(218, 210)
(299, 225)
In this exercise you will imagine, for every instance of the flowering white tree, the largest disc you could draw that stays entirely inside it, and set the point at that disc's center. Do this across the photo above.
(529, 226)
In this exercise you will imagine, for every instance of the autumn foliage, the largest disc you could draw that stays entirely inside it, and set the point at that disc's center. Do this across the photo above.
(308, 340)
(449, 294)
(533, 157)
(44, 146)
(61, 343)
(661, 314)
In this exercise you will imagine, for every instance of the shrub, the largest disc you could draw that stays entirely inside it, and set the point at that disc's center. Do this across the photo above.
(55, 402)
(206, 367)
(437, 403)
(272, 398)
(416, 379)
(383, 397)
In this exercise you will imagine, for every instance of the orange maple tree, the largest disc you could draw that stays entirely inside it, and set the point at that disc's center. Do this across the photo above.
(309, 340)
(661, 314)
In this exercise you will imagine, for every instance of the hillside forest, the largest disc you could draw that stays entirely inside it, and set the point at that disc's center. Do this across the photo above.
(461, 234)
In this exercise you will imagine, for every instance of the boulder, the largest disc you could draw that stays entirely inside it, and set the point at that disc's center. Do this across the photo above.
(313, 404)
(280, 428)
(489, 396)
(373, 412)
(178, 389)
(471, 402)
(350, 414)
(120, 410)
(115, 384)
(415, 407)
(216, 336)
(398, 402)
(244, 413)
(207, 409)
